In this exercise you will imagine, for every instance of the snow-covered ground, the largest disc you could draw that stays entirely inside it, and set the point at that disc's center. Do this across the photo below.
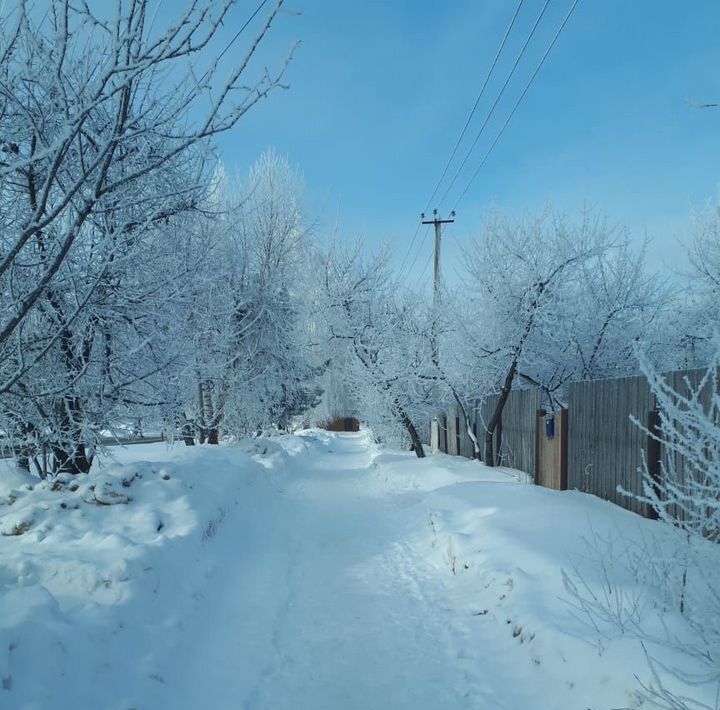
(312, 572)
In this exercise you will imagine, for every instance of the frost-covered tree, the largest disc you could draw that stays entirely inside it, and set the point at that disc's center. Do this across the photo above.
(616, 304)
(611, 305)
(685, 493)
(105, 123)
(698, 320)
(379, 345)
(680, 562)
(515, 277)
(251, 364)
(547, 302)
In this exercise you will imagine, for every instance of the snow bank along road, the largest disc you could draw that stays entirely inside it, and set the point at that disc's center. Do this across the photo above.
(310, 572)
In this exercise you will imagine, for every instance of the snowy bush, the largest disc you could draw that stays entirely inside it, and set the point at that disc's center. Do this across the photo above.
(687, 492)
(682, 565)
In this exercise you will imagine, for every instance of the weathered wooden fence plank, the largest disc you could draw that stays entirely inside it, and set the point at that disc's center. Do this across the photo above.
(605, 447)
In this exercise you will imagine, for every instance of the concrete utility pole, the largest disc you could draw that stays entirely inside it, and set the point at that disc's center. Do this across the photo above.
(438, 222)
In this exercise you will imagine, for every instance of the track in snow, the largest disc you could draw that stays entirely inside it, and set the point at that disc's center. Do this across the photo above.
(320, 604)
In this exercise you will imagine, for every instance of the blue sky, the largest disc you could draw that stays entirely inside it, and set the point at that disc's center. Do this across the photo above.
(380, 90)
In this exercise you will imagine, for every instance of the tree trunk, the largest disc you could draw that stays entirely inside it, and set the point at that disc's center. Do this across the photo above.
(489, 456)
(24, 451)
(497, 414)
(187, 435)
(210, 413)
(70, 454)
(74, 461)
(468, 428)
(417, 446)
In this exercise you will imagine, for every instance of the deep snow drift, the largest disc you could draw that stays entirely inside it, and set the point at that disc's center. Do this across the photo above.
(306, 572)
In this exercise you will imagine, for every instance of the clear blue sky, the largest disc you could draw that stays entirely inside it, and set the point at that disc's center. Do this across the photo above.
(380, 90)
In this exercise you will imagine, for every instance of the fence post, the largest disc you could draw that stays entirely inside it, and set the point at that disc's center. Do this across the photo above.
(563, 449)
(538, 414)
(653, 458)
(551, 461)
(498, 442)
(457, 434)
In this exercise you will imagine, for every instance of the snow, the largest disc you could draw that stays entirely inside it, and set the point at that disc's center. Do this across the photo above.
(310, 572)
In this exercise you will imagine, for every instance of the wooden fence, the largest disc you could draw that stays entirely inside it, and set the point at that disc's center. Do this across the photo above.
(606, 450)
(515, 435)
(6, 449)
(346, 424)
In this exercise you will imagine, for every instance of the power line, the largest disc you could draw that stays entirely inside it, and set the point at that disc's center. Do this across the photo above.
(242, 29)
(518, 102)
(477, 102)
(422, 273)
(495, 103)
(237, 34)
(422, 244)
(407, 253)
(460, 138)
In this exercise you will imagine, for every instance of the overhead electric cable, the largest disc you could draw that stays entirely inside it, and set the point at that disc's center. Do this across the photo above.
(418, 283)
(460, 138)
(237, 34)
(518, 102)
(242, 29)
(476, 104)
(495, 103)
(409, 250)
(422, 244)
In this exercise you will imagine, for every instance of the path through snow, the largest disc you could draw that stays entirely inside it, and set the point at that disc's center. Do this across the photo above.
(316, 572)
(321, 605)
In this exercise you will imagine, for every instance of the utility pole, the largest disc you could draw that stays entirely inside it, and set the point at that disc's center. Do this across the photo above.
(438, 222)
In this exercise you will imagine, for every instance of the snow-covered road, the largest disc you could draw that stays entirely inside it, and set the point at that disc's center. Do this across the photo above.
(318, 603)
(316, 572)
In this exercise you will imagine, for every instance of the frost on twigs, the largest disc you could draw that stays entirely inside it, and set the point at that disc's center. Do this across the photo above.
(105, 158)
(687, 492)
(662, 587)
